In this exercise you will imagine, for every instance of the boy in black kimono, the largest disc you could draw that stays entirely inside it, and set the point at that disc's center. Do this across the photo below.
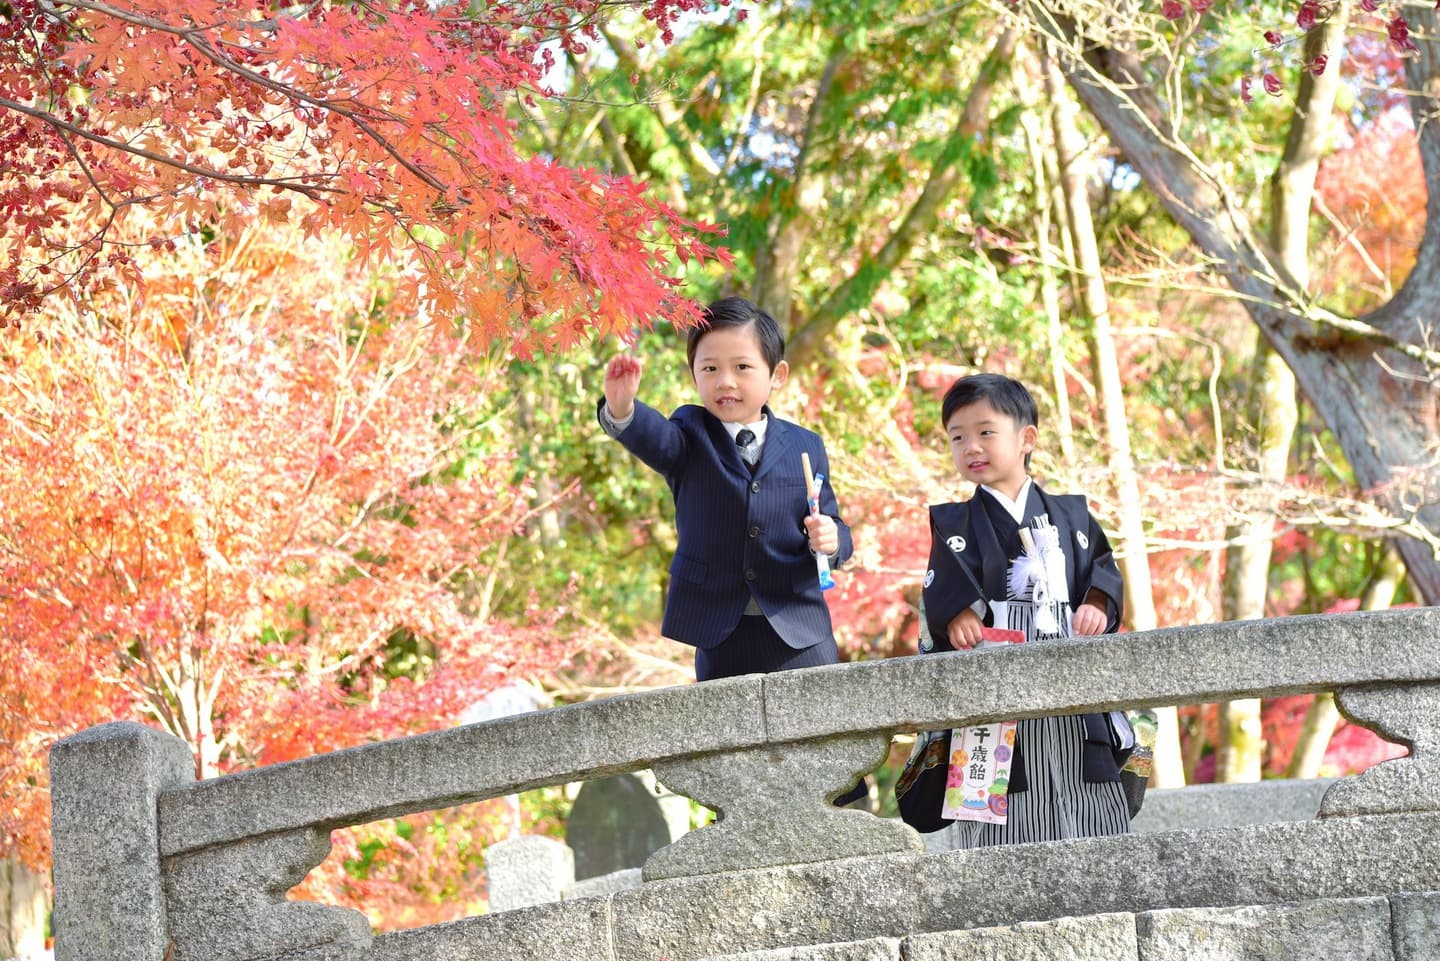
(1013, 556)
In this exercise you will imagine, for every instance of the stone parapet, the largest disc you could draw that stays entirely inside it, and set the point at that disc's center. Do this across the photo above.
(780, 868)
(1356, 929)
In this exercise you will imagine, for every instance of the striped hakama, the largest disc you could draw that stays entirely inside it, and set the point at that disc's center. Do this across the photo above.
(1059, 802)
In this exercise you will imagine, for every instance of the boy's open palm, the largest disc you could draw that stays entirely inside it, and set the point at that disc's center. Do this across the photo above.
(622, 383)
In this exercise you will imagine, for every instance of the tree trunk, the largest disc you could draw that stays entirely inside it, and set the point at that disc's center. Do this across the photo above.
(24, 904)
(1075, 171)
(919, 221)
(1049, 206)
(547, 521)
(1371, 377)
(1247, 560)
(778, 263)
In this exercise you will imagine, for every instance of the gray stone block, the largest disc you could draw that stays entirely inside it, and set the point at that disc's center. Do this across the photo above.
(104, 782)
(228, 903)
(822, 903)
(1356, 930)
(1199, 806)
(1099, 937)
(626, 880)
(568, 931)
(526, 871)
(873, 949)
(1415, 920)
(775, 807)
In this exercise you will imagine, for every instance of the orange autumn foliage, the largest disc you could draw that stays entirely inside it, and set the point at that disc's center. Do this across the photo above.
(222, 494)
(1378, 208)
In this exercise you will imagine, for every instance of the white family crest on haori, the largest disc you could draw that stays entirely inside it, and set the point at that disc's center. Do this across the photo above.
(956, 543)
(1038, 576)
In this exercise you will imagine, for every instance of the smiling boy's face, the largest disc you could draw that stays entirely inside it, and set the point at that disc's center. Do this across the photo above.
(732, 375)
(989, 448)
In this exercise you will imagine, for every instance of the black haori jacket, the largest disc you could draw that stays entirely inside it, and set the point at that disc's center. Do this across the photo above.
(969, 563)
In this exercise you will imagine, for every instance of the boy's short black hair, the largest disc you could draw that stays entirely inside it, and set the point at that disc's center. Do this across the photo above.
(1005, 394)
(738, 312)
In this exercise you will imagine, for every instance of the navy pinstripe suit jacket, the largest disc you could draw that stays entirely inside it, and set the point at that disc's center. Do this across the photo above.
(740, 535)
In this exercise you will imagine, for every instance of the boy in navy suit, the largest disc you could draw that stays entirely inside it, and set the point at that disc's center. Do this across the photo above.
(744, 588)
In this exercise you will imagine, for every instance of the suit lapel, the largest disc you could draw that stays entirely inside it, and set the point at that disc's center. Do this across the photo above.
(777, 454)
(725, 448)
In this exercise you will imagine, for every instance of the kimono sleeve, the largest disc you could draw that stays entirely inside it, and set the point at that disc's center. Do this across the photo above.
(951, 586)
(1105, 574)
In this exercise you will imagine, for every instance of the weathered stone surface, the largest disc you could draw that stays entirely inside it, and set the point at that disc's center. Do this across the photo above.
(626, 880)
(1099, 937)
(526, 871)
(1249, 865)
(569, 931)
(463, 764)
(892, 896)
(1207, 662)
(776, 806)
(109, 905)
(1408, 715)
(1199, 806)
(1356, 930)
(1415, 923)
(873, 949)
(828, 902)
(228, 903)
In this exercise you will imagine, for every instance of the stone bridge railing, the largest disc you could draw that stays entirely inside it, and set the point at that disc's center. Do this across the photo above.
(151, 865)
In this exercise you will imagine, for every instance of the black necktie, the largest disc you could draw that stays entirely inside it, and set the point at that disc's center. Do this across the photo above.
(743, 440)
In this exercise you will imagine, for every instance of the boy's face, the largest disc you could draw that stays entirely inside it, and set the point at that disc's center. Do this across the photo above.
(732, 376)
(989, 448)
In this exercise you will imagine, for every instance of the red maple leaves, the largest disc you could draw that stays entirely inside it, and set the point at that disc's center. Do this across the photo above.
(391, 124)
(1308, 15)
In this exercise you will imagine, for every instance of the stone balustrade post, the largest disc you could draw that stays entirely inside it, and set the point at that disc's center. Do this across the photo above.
(109, 897)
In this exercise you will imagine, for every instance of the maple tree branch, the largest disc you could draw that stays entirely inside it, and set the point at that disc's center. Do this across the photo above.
(96, 240)
(1349, 237)
(284, 183)
(195, 38)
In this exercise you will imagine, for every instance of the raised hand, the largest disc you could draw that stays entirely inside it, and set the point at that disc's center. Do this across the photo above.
(622, 383)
